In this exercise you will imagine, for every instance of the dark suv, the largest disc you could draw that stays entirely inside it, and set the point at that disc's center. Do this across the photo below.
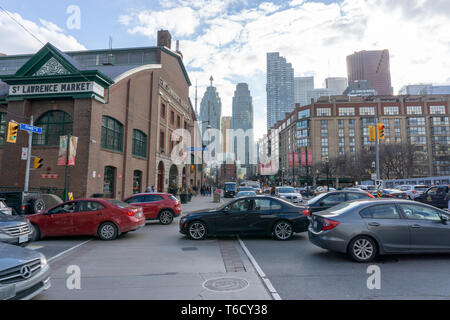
(437, 196)
(24, 203)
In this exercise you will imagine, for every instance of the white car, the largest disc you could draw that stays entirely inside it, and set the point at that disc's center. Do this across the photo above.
(413, 190)
(289, 194)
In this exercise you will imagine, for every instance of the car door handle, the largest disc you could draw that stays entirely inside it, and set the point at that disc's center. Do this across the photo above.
(416, 226)
(374, 224)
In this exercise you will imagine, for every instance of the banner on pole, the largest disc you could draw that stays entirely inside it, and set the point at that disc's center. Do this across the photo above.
(62, 153)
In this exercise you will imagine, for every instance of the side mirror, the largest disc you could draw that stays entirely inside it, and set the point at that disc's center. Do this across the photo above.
(444, 218)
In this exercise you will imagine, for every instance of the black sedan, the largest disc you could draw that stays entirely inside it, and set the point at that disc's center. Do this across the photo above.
(257, 215)
(327, 200)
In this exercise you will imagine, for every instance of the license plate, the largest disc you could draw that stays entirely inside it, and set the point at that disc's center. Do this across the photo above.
(23, 238)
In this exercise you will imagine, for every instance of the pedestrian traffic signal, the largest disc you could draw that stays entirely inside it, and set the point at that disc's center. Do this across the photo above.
(380, 127)
(37, 163)
(13, 128)
(372, 133)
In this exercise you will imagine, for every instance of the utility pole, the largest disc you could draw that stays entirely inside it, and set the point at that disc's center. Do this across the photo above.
(27, 172)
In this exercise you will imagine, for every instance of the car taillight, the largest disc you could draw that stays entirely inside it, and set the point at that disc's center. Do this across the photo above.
(23, 208)
(389, 195)
(306, 212)
(370, 196)
(414, 191)
(329, 224)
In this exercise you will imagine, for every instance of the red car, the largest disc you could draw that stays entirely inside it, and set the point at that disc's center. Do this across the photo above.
(157, 206)
(104, 218)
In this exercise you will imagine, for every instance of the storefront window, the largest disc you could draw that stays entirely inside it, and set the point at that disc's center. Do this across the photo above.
(112, 131)
(54, 124)
(108, 183)
(137, 182)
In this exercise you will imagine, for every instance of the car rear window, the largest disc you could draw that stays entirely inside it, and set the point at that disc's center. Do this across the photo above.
(118, 203)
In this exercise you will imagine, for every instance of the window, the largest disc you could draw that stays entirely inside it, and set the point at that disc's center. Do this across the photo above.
(367, 111)
(261, 205)
(356, 196)
(437, 109)
(352, 142)
(172, 117)
(397, 132)
(2, 128)
(323, 112)
(109, 182)
(112, 131)
(88, 206)
(439, 121)
(346, 111)
(351, 123)
(54, 124)
(418, 212)
(240, 206)
(324, 151)
(69, 207)
(341, 132)
(416, 131)
(341, 151)
(396, 122)
(340, 123)
(416, 121)
(414, 110)
(162, 141)
(324, 132)
(384, 211)
(353, 150)
(418, 140)
(351, 132)
(163, 110)
(139, 143)
(333, 198)
(341, 142)
(324, 123)
(391, 111)
(178, 121)
(303, 114)
(324, 141)
(302, 124)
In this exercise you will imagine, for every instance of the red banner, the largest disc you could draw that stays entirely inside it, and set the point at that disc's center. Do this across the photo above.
(293, 159)
(310, 158)
(303, 153)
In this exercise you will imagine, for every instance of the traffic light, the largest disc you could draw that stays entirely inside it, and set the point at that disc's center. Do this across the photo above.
(37, 163)
(372, 133)
(380, 127)
(13, 128)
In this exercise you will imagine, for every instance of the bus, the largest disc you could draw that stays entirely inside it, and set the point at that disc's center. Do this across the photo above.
(230, 189)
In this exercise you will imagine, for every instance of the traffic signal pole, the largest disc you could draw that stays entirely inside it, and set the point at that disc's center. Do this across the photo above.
(377, 149)
(27, 172)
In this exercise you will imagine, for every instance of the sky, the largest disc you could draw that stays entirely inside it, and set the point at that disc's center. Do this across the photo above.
(229, 39)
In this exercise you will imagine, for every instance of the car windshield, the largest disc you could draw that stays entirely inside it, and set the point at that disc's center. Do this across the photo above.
(119, 203)
(246, 193)
(230, 186)
(316, 198)
(286, 190)
(245, 189)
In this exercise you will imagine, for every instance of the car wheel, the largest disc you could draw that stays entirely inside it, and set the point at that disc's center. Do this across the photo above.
(283, 230)
(37, 206)
(363, 249)
(166, 217)
(107, 231)
(36, 233)
(197, 230)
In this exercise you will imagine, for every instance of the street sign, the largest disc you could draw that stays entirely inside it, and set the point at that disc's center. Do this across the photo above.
(30, 128)
(379, 184)
(24, 153)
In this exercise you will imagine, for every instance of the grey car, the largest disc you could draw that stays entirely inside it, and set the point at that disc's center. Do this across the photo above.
(24, 273)
(366, 228)
(14, 229)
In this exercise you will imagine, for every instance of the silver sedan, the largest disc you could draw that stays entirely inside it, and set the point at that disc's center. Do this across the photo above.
(366, 228)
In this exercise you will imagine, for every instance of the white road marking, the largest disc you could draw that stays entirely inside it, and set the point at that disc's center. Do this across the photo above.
(33, 247)
(261, 273)
(67, 251)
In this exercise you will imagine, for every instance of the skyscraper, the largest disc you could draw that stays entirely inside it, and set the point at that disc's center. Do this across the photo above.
(279, 88)
(373, 66)
(338, 84)
(301, 87)
(243, 119)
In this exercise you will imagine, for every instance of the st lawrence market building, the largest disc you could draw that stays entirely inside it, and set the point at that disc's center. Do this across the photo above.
(122, 104)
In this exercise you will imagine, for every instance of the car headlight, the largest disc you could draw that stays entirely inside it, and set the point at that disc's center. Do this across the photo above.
(43, 261)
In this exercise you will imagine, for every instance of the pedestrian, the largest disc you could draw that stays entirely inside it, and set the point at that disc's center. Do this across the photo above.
(273, 191)
(153, 190)
(148, 190)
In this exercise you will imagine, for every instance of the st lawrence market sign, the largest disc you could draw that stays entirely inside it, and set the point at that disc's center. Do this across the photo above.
(56, 88)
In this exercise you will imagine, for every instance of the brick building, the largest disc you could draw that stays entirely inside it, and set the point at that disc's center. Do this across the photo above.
(122, 104)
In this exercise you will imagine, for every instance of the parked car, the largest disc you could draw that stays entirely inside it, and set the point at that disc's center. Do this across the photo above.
(157, 206)
(325, 201)
(437, 196)
(14, 229)
(366, 228)
(24, 272)
(4, 208)
(251, 215)
(246, 194)
(391, 193)
(104, 218)
(323, 189)
(413, 191)
(289, 193)
(24, 203)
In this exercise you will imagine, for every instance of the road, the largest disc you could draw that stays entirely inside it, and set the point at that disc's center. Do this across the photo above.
(157, 262)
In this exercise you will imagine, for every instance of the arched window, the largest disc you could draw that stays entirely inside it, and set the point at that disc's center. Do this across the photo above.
(139, 143)
(2, 128)
(54, 124)
(112, 132)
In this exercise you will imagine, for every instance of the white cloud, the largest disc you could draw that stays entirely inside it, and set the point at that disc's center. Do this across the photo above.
(15, 40)
(316, 38)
